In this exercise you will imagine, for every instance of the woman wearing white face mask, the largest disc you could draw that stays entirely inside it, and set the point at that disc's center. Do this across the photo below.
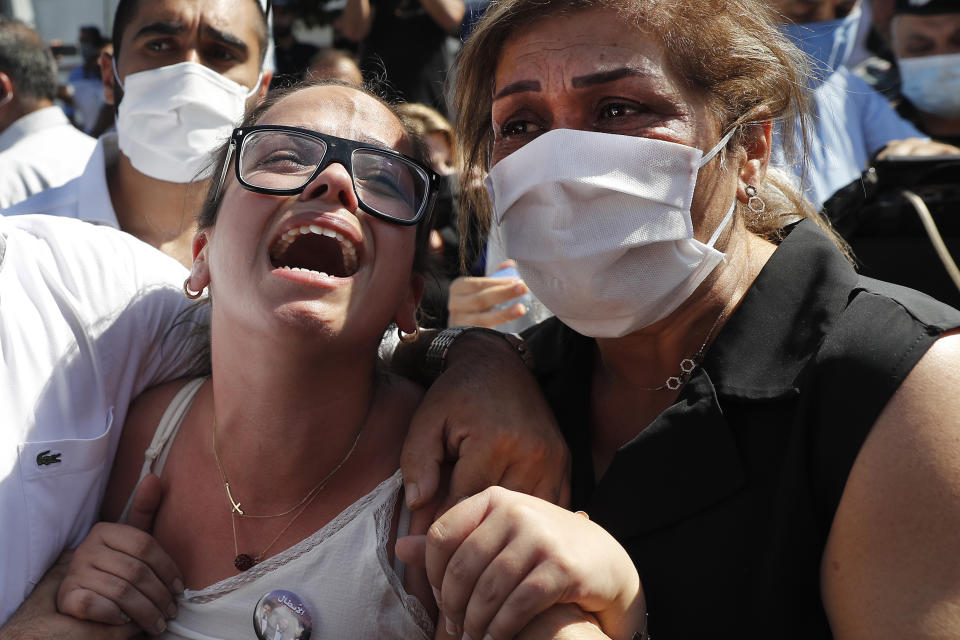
(770, 437)
(925, 37)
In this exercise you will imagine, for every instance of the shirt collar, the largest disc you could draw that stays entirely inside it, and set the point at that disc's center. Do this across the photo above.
(31, 123)
(93, 194)
(783, 318)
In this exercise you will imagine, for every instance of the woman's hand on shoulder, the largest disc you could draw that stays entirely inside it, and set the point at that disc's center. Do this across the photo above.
(500, 558)
(891, 568)
(120, 573)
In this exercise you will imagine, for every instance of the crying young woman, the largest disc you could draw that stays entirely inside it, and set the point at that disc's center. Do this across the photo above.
(264, 499)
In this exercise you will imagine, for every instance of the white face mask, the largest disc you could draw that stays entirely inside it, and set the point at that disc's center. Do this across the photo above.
(600, 227)
(932, 83)
(170, 119)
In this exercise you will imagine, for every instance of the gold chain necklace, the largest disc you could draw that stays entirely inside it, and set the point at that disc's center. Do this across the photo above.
(243, 561)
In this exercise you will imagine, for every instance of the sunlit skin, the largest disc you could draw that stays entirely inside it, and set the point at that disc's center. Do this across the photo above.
(592, 72)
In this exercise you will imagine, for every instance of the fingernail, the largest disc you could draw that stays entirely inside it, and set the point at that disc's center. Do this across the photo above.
(412, 492)
(465, 636)
(171, 610)
(520, 309)
(436, 594)
(177, 586)
(124, 618)
(519, 288)
(488, 637)
(451, 628)
(161, 625)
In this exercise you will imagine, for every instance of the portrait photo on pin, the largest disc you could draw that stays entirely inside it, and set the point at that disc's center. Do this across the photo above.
(282, 615)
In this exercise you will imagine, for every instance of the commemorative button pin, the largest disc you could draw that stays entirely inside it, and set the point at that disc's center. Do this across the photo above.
(282, 615)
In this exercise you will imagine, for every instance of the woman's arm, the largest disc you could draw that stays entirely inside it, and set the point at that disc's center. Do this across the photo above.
(891, 568)
(355, 21)
(500, 558)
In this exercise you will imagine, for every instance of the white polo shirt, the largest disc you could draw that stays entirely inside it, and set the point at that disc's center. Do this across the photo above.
(86, 197)
(38, 151)
(87, 322)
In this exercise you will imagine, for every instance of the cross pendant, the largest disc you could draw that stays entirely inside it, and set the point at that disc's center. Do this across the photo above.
(233, 503)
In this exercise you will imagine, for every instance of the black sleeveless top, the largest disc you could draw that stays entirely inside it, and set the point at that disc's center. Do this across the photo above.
(725, 501)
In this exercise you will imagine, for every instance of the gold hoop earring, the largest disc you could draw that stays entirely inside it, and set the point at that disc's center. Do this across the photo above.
(755, 203)
(407, 338)
(193, 295)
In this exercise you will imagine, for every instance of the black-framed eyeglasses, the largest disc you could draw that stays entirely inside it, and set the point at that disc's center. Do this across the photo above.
(281, 160)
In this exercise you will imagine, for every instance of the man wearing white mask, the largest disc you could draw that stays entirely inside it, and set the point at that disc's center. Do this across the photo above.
(181, 76)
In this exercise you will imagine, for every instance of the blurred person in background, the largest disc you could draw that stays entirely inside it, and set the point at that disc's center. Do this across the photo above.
(181, 76)
(852, 123)
(335, 64)
(85, 86)
(39, 148)
(405, 41)
(291, 57)
(437, 133)
(925, 37)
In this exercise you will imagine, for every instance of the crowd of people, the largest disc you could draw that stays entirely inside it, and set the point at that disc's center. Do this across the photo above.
(257, 299)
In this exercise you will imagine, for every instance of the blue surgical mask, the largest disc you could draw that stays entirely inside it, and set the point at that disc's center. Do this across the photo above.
(932, 83)
(829, 44)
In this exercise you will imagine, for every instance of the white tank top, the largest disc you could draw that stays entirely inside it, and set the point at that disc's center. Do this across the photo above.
(341, 573)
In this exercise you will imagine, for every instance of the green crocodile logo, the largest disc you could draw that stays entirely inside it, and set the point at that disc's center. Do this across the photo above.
(46, 458)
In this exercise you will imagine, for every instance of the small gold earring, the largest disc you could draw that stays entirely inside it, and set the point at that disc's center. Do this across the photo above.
(407, 338)
(193, 295)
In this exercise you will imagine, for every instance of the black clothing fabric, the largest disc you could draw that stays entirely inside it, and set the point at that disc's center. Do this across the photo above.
(725, 501)
(407, 46)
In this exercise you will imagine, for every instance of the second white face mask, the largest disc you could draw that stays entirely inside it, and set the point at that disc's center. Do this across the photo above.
(932, 83)
(600, 227)
(170, 119)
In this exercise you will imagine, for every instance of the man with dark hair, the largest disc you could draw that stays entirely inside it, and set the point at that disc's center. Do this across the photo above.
(182, 74)
(39, 148)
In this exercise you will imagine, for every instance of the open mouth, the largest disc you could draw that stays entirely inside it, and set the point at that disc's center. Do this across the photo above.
(314, 248)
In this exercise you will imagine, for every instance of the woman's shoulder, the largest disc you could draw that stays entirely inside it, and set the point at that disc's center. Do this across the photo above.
(139, 428)
(891, 560)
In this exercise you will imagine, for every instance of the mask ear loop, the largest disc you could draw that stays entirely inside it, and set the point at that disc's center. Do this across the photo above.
(256, 85)
(703, 161)
(708, 156)
(116, 75)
